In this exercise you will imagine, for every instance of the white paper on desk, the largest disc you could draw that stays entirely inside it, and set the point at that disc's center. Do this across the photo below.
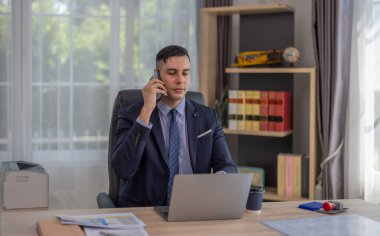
(91, 231)
(330, 225)
(111, 221)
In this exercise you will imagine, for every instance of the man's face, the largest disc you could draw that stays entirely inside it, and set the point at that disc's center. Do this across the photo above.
(175, 73)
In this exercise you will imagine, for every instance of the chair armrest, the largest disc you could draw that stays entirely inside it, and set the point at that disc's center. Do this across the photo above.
(104, 201)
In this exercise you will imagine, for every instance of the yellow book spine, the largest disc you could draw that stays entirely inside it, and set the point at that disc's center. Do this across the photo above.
(281, 175)
(240, 110)
(255, 111)
(297, 160)
(232, 109)
(248, 109)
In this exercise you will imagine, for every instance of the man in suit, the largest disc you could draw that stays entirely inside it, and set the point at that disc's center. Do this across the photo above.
(159, 138)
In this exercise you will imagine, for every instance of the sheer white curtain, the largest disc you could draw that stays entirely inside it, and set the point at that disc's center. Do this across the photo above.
(62, 63)
(4, 78)
(363, 130)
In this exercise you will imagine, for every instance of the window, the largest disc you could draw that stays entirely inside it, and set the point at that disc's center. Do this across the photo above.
(62, 63)
(73, 43)
(4, 77)
(363, 129)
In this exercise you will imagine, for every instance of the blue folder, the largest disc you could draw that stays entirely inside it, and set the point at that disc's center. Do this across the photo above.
(311, 206)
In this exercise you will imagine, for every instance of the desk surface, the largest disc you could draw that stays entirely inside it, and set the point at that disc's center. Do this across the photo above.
(24, 222)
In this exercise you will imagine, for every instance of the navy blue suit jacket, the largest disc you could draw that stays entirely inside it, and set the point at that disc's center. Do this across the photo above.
(141, 159)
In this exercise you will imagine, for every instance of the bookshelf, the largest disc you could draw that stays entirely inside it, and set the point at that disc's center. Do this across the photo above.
(258, 133)
(271, 193)
(208, 59)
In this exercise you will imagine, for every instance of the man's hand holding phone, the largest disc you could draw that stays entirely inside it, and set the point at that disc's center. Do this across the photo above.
(150, 91)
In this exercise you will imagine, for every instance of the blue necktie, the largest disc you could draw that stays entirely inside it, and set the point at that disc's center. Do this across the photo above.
(173, 152)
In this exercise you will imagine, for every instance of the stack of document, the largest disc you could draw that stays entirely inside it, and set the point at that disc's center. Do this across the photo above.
(107, 224)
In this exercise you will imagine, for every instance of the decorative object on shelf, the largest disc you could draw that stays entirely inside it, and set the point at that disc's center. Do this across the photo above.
(221, 108)
(291, 54)
(258, 178)
(273, 57)
(252, 58)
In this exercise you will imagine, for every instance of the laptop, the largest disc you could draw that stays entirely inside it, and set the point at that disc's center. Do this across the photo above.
(207, 197)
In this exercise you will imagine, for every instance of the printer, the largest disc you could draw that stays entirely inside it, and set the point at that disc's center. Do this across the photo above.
(24, 185)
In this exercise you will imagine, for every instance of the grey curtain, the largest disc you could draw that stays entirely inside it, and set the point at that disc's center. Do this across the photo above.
(224, 44)
(332, 20)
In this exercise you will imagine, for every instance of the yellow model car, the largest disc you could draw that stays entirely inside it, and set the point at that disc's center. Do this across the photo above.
(258, 58)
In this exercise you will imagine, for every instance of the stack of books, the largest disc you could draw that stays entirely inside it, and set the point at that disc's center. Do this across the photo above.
(259, 110)
(292, 175)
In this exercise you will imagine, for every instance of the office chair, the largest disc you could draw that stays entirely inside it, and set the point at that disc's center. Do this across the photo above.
(125, 98)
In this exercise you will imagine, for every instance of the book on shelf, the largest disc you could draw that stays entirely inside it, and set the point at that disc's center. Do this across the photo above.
(281, 175)
(248, 109)
(297, 176)
(291, 171)
(255, 124)
(232, 109)
(279, 111)
(258, 177)
(288, 176)
(272, 110)
(240, 101)
(263, 123)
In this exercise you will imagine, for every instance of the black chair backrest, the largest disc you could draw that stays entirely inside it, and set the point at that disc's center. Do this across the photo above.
(125, 98)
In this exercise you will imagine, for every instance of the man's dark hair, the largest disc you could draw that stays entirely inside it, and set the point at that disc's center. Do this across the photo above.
(171, 51)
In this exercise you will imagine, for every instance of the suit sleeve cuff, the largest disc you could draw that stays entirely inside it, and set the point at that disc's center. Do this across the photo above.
(149, 126)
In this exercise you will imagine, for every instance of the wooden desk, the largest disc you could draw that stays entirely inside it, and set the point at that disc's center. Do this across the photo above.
(23, 223)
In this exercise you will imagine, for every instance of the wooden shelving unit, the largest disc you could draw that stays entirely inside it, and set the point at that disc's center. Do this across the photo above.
(272, 70)
(258, 133)
(311, 72)
(271, 195)
(208, 59)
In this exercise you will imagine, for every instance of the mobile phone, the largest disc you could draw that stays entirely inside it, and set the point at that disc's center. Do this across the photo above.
(156, 75)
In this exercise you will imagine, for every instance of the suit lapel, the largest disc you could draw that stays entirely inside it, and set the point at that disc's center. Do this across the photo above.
(157, 134)
(192, 130)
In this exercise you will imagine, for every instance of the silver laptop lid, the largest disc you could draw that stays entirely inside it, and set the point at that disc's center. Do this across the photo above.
(209, 196)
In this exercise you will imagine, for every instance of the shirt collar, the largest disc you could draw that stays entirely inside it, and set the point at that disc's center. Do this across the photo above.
(165, 109)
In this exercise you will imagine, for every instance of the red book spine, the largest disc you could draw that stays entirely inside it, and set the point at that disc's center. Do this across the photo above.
(283, 111)
(272, 113)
